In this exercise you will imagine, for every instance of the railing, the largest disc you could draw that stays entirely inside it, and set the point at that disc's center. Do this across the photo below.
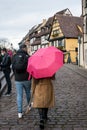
(3, 82)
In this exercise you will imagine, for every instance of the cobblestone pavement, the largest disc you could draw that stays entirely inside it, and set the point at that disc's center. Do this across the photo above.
(69, 113)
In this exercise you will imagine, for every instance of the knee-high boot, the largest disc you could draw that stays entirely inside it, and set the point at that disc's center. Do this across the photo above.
(40, 110)
(45, 112)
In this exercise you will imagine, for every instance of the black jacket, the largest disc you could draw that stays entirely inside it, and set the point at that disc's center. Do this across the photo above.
(23, 75)
(6, 62)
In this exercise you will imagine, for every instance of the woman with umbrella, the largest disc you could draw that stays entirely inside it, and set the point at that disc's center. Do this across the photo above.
(43, 97)
(42, 65)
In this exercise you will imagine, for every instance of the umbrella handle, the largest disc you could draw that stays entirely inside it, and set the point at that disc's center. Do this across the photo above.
(31, 100)
(29, 77)
(53, 77)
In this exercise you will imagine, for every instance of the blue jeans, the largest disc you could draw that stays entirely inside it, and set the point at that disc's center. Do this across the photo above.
(20, 85)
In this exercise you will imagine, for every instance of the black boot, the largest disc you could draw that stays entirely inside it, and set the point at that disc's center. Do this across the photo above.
(45, 114)
(41, 118)
(41, 124)
(0, 84)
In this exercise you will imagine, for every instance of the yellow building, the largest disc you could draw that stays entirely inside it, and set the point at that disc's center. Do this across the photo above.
(64, 34)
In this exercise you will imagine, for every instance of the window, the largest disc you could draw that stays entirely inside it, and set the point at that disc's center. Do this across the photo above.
(46, 45)
(46, 37)
(61, 43)
(56, 43)
(52, 43)
(32, 40)
(42, 38)
(39, 47)
(76, 49)
(56, 32)
(35, 48)
(86, 25)
(85, 3)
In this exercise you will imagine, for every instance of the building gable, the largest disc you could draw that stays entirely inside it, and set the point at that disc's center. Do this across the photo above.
(56, 31)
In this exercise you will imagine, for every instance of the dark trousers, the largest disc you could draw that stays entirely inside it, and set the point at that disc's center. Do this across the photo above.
(8, 80)
(43, 113)
(0, 84)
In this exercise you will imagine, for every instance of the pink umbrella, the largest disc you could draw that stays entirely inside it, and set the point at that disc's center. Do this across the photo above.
(45, 62)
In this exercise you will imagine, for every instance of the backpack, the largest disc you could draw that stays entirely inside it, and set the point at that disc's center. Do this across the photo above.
(21, 60)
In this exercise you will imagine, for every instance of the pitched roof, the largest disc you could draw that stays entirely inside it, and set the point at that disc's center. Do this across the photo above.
(49, 21)
(69, 25)
(47, 27)
(37, 29)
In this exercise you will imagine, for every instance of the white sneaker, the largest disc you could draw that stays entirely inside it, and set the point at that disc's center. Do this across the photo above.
(20, 115)
(31, 104)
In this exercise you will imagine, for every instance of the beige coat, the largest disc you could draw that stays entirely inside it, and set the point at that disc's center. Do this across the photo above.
(43, 93)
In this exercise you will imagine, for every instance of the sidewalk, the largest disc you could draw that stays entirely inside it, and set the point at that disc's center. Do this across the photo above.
(79, 70)
(69, 113)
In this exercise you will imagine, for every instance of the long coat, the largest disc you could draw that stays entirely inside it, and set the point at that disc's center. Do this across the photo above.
(43, 93)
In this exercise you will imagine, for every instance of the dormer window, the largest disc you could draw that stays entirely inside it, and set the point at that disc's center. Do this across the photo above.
(46, 28)
(56, 32)
(42, 29)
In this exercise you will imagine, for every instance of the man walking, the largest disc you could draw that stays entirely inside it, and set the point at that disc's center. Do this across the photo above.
(21, 77)
(5, 67)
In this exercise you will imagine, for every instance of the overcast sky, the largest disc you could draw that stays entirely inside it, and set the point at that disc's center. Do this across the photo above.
(18, 16)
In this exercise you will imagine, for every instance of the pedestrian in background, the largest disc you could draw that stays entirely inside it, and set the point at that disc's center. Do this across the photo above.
(13, 59)
(5, 67)
(43, 97)
(19, 63)
(0, 56)
(10, 53)
(76, 58)
(0, 63)
(69, 58)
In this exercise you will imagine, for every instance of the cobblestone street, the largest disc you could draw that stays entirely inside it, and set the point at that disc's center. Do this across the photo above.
(69, 113)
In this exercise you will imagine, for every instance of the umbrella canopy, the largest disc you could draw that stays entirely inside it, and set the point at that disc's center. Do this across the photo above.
(45, 62)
